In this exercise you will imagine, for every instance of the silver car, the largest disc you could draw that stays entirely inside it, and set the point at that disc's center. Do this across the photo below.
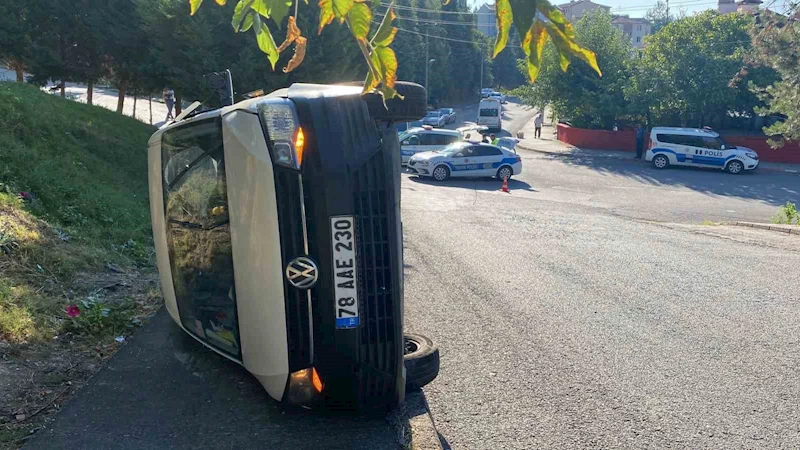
(434, 119)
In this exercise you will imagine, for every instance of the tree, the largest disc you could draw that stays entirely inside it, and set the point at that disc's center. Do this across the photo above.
(683, 77)
(579, 95)
(375, 47)
(16, 35)
(658, 16)
(776, 40)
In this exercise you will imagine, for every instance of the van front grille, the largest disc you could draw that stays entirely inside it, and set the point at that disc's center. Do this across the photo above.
(370, 188)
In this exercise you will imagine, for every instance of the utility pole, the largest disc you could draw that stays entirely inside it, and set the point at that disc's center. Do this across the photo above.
(667, 10)
(427, 64)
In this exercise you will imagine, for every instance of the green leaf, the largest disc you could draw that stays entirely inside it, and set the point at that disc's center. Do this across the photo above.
(326, 14)
(504, 20)
(524, 13)
(248, 21)
(193, 5)
(386, 32)
(359, 19)
(240, 14)
(222, 2)
(342, 7)
(533, 46)
(557, 17)
(277, 10)
(256, 22)
(388, 67)
(568, 46)
(267, 44)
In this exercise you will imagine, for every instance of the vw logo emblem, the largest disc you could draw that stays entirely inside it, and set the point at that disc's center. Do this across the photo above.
(302, 273)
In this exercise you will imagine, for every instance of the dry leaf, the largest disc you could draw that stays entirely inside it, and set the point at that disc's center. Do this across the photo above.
(292, 33)
(299, 54)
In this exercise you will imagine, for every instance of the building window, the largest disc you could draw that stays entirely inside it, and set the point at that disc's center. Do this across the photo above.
(638, 28)
(638, 39)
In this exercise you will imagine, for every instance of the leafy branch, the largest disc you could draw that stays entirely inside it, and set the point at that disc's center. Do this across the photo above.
(380, 58)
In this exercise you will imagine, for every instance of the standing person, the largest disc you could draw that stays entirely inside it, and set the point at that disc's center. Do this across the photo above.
(493, 139)
(538, 120)
(639, 141)
(169, 100)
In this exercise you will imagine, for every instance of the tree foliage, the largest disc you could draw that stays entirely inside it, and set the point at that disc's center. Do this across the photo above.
(776, 40)
(579, 95)
(684, 74)
(376, 47)
(658, 16)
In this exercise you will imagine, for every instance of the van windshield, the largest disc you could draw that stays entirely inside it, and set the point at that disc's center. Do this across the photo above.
(488, 112)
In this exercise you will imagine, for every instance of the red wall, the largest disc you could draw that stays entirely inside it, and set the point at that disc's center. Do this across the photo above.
(625, 140)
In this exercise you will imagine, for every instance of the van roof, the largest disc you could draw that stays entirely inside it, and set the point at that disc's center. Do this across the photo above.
(685, 131)
(433, 131)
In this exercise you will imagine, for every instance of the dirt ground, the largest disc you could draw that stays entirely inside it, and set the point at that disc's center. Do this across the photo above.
(37, 379)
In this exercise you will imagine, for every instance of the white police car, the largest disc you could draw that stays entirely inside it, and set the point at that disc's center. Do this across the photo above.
(699, 148)
(466, 159)
(425, 139)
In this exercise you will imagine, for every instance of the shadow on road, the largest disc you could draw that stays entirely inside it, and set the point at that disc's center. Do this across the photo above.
(165, 390)
(478, 184)
(772, 187)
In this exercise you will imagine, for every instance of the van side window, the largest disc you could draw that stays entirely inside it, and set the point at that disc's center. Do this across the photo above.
(427, 139)
(713, 143)
(411, 140)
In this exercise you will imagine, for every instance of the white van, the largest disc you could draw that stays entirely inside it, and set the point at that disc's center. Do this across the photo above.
(490, 113)
(700, 148)
(425, 139)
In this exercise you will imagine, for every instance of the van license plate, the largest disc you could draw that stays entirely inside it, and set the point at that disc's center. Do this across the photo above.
(343, 241)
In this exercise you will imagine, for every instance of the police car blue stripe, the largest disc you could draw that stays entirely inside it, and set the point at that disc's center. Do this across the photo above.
(695, 159)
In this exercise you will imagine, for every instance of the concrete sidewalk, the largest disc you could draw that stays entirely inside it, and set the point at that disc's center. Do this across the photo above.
(550, 145)
(164, 390)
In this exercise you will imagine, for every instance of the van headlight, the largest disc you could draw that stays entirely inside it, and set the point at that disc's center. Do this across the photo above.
(285, 138)
(422, 163)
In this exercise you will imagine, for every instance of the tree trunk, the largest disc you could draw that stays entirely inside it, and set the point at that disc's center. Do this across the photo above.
(63, 88)
(177, 104)
(150, 105)
(123, 87)
(20, 74)
(89, 92)
(134, 103)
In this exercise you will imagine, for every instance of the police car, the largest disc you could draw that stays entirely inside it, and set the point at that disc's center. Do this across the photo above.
(425, 139)
(700, 148)
(466, 159)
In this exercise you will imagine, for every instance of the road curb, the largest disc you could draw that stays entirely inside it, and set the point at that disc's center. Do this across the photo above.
(601, 155)
(416, 430)
(788, 229)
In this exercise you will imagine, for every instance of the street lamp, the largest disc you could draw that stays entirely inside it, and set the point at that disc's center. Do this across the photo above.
(427, 66)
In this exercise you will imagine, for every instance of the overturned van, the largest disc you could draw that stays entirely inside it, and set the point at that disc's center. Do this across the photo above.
(279, 244)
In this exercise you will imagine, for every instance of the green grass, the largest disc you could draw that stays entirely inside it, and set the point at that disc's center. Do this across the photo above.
(86, 169)
(85, 165)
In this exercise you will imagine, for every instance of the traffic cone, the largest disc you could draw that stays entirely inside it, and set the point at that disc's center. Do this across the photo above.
(505, 186)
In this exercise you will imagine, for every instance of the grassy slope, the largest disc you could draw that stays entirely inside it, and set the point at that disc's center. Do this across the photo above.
(86, 168)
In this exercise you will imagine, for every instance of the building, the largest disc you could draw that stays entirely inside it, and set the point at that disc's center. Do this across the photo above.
(729, 6)
(633, 27)
(576, 9)
(487, 20)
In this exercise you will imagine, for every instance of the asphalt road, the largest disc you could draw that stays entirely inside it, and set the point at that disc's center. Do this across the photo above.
(565, 319)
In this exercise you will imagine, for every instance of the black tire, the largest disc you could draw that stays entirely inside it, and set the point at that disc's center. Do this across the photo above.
(421, 360)
(411, 108)
(735, 167)
(660, 162)
(505, 171)
(446, 171)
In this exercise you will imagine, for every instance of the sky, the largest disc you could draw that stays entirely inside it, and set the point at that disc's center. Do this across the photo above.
(638, 8)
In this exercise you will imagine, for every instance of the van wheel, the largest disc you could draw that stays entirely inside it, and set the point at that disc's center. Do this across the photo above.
(504, 172)
(421, 359)
(411, 108)
(735, 167)
(441, 173)
(661, 162)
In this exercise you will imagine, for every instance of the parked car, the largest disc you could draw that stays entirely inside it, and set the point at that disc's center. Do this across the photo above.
(499, 96)
(434, 119)
(402, 127)
(485, 92)
(466, 159)
(425, 139)
(267, 218)
(449, 114)
(699, 148)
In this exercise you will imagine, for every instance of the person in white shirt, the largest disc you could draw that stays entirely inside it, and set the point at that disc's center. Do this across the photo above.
(538, 120)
